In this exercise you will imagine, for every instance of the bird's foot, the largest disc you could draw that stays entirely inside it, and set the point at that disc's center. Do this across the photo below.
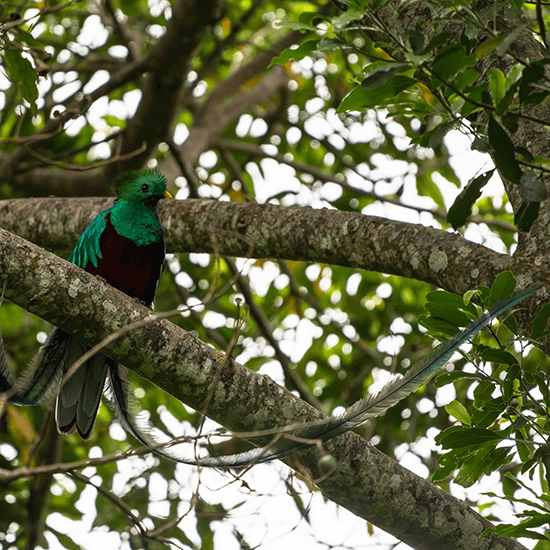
(102, 279)
(143, 302)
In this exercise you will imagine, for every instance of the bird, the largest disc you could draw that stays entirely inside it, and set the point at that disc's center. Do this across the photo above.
(124, 246)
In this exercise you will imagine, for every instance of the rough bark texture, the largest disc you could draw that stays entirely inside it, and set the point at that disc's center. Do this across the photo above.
(367, 482)
(442, 258)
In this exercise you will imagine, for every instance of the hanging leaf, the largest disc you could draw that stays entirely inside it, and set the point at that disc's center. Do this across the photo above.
(503, 152)
(541, 322)
(461, 209)
(485, 418)
(21, 71)
(504, 285)
(450, 60)
(485, 48)
(531, 90)
(416, 37)
(497, 82)
(360, 99)
(382, 73)
(533, 192)
(449, 307)
(303, 50)
(457, 410)
(465, 437)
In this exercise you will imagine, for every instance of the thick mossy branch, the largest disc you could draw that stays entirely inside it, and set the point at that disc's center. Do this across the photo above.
(366, 482)
(349, 239)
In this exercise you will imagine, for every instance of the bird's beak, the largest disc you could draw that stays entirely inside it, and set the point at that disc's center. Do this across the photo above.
(167, 195)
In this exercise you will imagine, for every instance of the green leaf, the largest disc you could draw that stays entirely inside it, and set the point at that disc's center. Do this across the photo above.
(484, 418)
(27, 38)
(450, 60)
(542, 383)
(113, 121)
(130, 7)
(304, 24)
(458, 410)
(461, 209)
(381, 74)
(360, 99)
(483, 393)
(459, 437)
(466, 78)
(487, 47)
(305, 49)
(350, 15)
(21, 71)
(524, 451)
(469, 294)
(522, 529)
(510, 88)
(447, 377)
(437, 41)
(530, 89)
(533, 192)
(541, 322)
(327, 44)
(503, 152)
(449, 307)
(473, 468)
(511, 477)
(526, 215)
(503, 286)
(497, 82)
(416, 37)
(449, 462)
(437, 326)
(498, 356)
(427, 187)
(510, 383)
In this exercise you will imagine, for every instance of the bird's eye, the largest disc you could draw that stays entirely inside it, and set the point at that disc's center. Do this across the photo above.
(145, 187)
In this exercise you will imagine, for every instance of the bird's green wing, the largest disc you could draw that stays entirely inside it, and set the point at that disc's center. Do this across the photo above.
(87, 248)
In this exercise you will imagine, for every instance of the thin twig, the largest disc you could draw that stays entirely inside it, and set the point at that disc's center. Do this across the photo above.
(7, 26)
(83, 168)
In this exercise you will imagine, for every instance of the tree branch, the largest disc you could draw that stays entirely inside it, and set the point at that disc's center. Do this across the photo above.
(339, 178)
(349, 239)
(215, 116)
(366, 482)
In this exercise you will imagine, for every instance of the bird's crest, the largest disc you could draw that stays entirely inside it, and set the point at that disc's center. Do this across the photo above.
(125, 182)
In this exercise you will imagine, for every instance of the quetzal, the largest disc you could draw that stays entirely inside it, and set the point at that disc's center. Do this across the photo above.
(125, 246)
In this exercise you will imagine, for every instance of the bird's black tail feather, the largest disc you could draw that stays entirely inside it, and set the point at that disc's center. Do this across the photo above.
(42, 378)
(79, 397)
(77, 400)
(118, 394)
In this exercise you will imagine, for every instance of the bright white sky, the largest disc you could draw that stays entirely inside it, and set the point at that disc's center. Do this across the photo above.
(268, 517)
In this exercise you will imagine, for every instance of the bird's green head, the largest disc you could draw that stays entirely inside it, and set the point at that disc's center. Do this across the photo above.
(146, 187)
